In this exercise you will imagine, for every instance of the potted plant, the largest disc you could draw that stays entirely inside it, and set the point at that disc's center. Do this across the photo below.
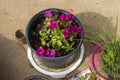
(111, 59)
(55, 36)
(110, 45)
(88, 76)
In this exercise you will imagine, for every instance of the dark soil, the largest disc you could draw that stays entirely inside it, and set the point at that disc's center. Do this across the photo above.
(34, 36)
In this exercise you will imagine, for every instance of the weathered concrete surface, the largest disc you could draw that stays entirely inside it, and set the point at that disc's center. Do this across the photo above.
(15, 14)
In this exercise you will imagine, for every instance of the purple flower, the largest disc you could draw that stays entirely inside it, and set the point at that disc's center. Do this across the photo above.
(66, 33)
(72, 29)
(48, 14)
(40, 52)
(47, 52)
(70, 78)
(53, 24)
(62, 17)
(79, 30)
(69, 16)
(52, 53)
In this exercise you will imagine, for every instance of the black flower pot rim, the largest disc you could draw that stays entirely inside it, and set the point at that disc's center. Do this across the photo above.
(59, 10)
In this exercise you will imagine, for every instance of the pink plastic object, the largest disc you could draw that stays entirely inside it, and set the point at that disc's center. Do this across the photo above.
(95, 61)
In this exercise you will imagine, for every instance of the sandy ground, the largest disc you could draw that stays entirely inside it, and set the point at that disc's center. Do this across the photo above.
(15, 14)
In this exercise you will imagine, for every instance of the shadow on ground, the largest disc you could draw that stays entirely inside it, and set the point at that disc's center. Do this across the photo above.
(90, 22)
(14, 64)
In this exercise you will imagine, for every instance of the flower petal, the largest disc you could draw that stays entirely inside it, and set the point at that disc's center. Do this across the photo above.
(40, 52)
(79, 30)
(48, 14)
(52, 53)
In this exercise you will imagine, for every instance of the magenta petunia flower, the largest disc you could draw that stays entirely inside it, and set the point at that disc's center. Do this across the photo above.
(70, 78)
(67, 29)
(53, 24)
(79, 30)
(40, 52)
(62, 17)
(46, 52)
(72, 29)
(66, 33)
(52, 53)
(69, 16)
(48, 14)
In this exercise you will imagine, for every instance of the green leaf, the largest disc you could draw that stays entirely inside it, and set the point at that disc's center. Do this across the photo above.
(48, 31)
(69, 22)
(63, 23)
(48, 44)
(82, 78)
(43, 42)
(63, 47)
(54, 39)
(48, 24)
(73, 43)
(47, 19)
(40, 32)
(56, 16)
(50, 35)
(53, 42)
(59, 43)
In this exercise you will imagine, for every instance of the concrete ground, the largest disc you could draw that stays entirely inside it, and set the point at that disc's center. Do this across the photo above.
(15, 14)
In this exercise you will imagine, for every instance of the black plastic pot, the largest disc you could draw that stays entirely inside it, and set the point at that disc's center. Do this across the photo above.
(58, 62)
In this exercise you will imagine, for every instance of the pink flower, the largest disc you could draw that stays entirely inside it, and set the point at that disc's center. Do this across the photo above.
(72, 29)
(66, 33)
(47, 52)
(52, 53)
(53, 24)
(79, 30)
(62, 17)
(69, 16)
(48, 14)
(40, 52)
(70, 78)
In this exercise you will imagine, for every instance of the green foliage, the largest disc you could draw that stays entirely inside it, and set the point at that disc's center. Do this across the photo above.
(111, 49)
(91, 76)
(56, 39)
(111, 59)
(83, 77)
(52, 34)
